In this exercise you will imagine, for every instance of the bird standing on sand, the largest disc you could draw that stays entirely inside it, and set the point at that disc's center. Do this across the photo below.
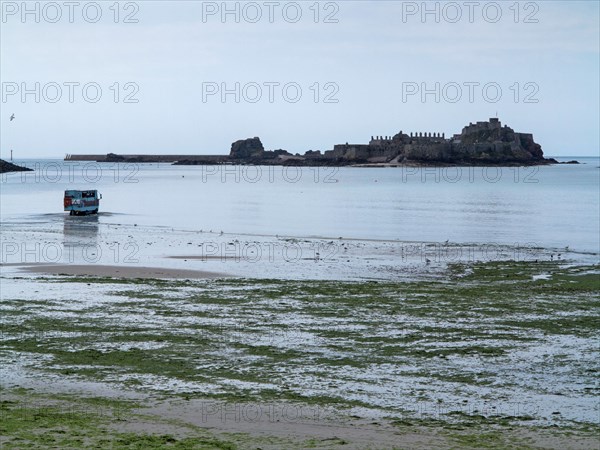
(12, 117)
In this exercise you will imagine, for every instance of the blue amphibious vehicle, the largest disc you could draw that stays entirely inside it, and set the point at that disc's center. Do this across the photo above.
(82, 202)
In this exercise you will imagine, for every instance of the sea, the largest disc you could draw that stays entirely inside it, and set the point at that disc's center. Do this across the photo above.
(555, 206)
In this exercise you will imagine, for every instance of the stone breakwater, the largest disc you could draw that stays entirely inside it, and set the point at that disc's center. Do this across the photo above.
(479, 144)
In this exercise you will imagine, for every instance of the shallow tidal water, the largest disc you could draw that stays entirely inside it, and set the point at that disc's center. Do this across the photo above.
(549, 206)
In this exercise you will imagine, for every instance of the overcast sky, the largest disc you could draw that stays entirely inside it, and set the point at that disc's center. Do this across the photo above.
(339, 72)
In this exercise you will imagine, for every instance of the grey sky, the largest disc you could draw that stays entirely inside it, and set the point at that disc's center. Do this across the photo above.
(362, 61)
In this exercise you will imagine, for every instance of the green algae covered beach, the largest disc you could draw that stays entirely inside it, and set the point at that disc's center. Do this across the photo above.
(500, 354)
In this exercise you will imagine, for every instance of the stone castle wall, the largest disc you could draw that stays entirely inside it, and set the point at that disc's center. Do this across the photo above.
(478, 142)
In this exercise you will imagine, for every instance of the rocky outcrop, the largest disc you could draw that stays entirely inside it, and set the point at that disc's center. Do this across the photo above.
(5, 166)
(252, 151)
(489, 142)
(112, 157)
(247, 148)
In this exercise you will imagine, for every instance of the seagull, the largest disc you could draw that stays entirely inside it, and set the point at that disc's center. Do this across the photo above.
(12, 117)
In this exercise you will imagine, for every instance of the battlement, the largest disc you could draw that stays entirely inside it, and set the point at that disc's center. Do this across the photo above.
(427, 136)
(380, 140)
(404, 138)
(492, 124)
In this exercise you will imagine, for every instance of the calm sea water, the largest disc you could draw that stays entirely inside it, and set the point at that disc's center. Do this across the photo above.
(551, 206)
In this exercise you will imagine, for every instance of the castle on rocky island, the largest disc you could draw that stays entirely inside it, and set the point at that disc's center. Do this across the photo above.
(481, 143)
(478, 143)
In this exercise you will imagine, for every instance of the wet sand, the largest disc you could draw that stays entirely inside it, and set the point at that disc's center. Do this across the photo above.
(286, 422)
(266, 425)
(59, 245)
(325, 429)
(118, 271)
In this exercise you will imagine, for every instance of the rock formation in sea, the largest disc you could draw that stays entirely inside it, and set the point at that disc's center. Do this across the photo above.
(481, 143)
(5, 166)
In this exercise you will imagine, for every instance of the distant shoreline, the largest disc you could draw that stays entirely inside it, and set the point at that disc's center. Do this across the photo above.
(211, 160)
(485, 143)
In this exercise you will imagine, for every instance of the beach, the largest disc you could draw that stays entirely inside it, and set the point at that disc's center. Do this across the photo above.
(303, 363)
(96, 270)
